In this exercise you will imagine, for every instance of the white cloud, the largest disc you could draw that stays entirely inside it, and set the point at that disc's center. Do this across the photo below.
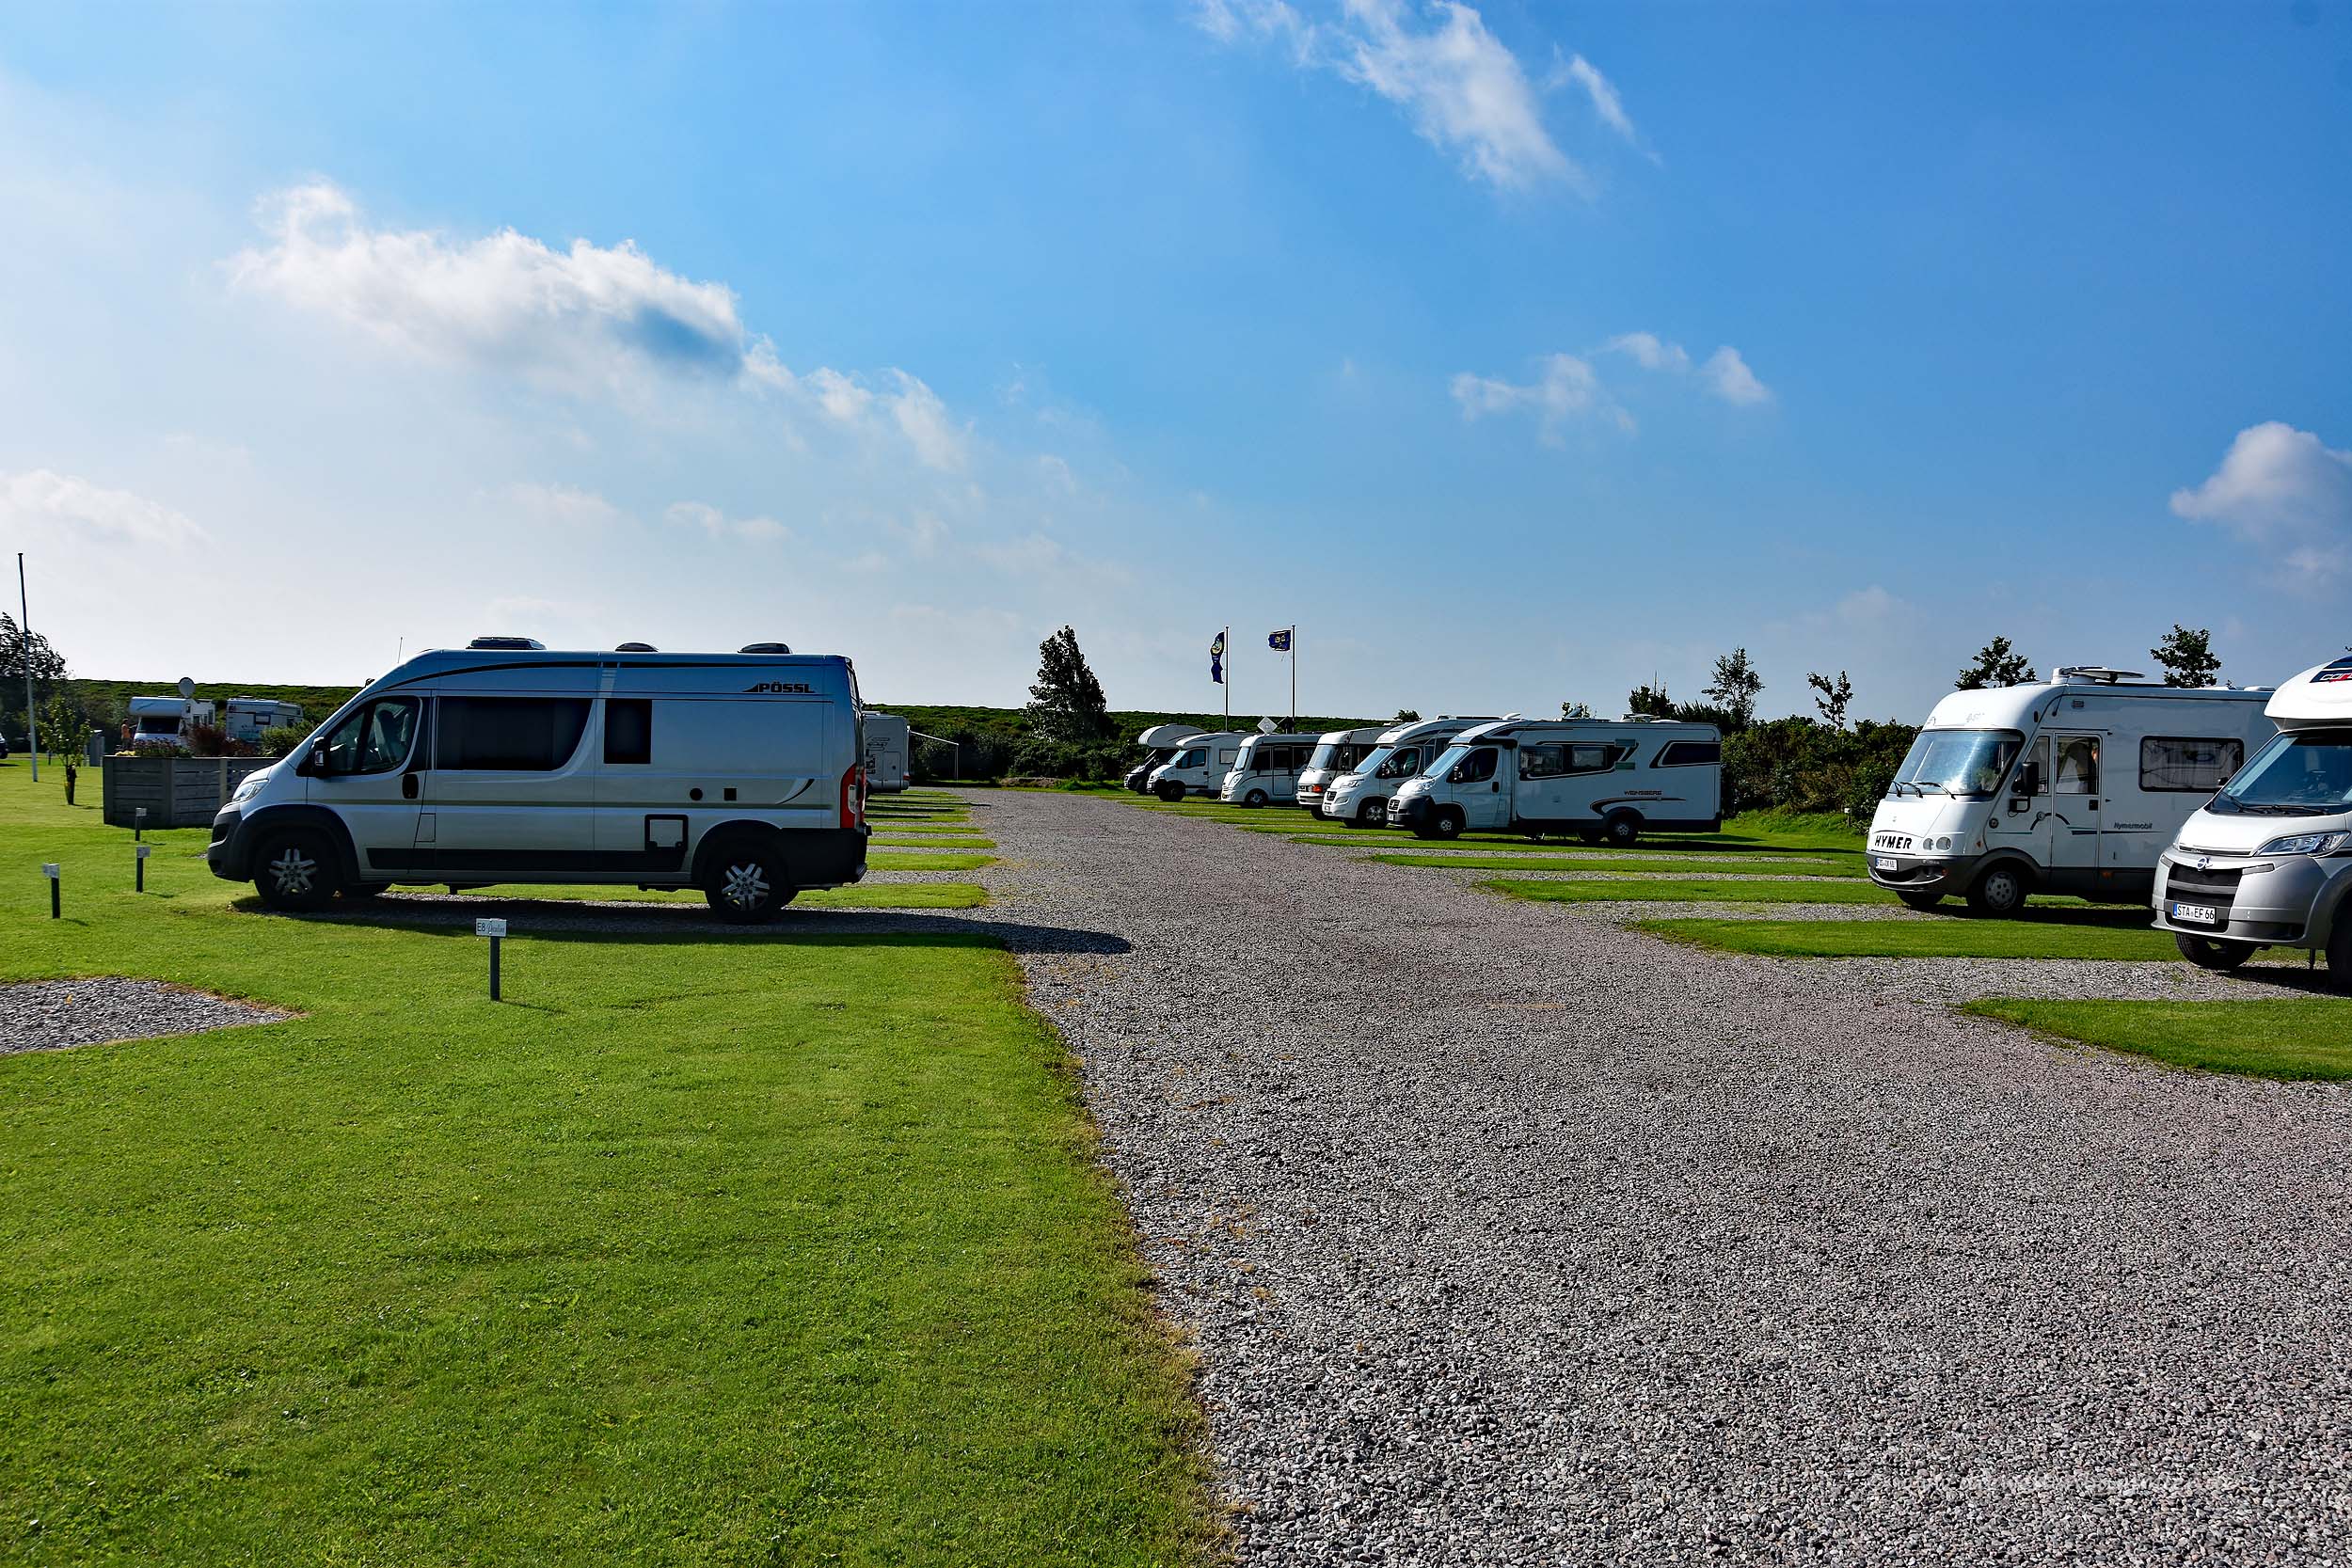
(2287, 493)
(1606, 104)
(589, 314)
(1565, 388)
(1649, 351)
(1230, 20)
(62, 509)
(560, 505)
(1729, 377)
(718, 525)
(910, 407)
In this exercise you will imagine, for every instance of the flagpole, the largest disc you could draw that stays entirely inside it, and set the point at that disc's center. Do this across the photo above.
(1227, 682)
(25, 645)
(1293, 671)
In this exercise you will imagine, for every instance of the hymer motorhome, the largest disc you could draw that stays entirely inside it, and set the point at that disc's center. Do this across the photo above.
(1199, 766)
(1266, 772)
(504, 762)
(1160, 744)
(2267, 861)
(2072, 786)
(1335, 755)
(1599, 779)
(1361, 799)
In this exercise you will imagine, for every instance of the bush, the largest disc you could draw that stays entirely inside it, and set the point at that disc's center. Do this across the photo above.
(284, 740)
(1802, 765)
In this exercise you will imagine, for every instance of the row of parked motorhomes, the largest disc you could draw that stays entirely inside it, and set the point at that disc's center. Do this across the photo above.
(2228, 809)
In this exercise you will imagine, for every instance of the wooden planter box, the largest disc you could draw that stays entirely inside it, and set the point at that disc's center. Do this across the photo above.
(178, 792)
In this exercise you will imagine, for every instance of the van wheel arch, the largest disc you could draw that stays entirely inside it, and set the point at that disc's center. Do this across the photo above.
(717, 842)
(1621, 826)
(2001, 886)
(275, 819)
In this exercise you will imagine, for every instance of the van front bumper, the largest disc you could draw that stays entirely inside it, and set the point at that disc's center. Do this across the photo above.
(2272, 901)
(1921, 873)
(229, 854)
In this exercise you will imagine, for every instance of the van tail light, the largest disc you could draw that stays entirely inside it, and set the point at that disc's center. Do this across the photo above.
(852, 798)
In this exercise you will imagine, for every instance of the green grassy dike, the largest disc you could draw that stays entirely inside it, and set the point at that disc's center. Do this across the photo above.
(701, 1247)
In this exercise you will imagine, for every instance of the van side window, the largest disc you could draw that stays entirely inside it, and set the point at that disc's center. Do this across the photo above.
(2078, 766)
(629, 729)
(2170, 763)
(375, 739)
(1689, 753)
(1593, 757)
(1543, 762)
(507, 734)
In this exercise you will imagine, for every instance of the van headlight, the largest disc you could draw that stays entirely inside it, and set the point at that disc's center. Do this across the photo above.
(249, 787)
(2307, 844)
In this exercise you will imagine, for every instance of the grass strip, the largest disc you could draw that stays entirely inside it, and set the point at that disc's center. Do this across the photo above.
(929, 840)
(1668, 889)
(2041, 932)
(1792, 866)
(885, 860)
(2291, 1039)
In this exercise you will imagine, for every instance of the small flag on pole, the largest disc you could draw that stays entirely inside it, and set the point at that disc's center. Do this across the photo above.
(1280, 641)
(1217, 659)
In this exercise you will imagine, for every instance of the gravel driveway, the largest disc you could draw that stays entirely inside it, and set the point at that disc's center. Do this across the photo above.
(1509, 1236)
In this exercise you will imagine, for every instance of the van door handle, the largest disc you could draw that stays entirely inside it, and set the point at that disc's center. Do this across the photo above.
(408, 787)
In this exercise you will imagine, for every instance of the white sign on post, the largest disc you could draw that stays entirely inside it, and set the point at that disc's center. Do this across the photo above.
(143, 851)
(50, 872)
(489, 927)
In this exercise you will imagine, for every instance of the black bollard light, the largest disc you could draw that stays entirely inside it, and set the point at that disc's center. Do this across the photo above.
(138, 860)
(496, 931)
(56, 905)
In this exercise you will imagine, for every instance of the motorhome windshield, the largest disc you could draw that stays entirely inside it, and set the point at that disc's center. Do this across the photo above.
(1968, 763)
(1446, 761)
(2302, 774)
(1397, 761)
(1338, 756)
(1192, 757)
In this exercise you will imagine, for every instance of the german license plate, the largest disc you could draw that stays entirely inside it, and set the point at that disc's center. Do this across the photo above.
(2195, 914)
(1886, 863)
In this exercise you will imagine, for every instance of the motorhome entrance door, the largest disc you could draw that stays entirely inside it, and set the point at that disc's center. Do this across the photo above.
(2075, 805)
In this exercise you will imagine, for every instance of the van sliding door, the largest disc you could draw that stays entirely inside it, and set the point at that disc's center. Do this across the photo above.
(510, 790)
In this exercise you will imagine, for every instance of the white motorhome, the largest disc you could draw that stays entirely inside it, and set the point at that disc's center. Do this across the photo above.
(1599, 779)
(1160, 744)
(1335, 755)
(1266, 772)
(2072, 786)
(886, 751)
(2267, 862)
(735, 774)
(245, 718)
(166, 718)
(1361, 799)
(1199, 766)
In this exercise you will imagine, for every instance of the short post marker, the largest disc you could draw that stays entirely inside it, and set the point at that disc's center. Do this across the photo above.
(138, 859)
(138, 824)
(55, 908)
(496, 931)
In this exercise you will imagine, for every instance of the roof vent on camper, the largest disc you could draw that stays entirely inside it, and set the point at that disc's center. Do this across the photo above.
(765, 648)
(2097, 673)
(516, 645)
(636, 648)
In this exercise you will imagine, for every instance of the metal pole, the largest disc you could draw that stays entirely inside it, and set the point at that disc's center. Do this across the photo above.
(1227, 682)
(1293, 671)
(494, 969)
(25, 642)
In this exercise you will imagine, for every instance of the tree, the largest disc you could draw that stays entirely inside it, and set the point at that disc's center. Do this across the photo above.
(1834, 697)
(1406, 716)
(48, 669)
(1997, 664)
(1066, 705)
(1576, 710)
(1651, 700)
(2188, 657)
(1736, 687)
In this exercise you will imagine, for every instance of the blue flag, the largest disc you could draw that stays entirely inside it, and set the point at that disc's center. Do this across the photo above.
(1217, 659)
(1280, 641)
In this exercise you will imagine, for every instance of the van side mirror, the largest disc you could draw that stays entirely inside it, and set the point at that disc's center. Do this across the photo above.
(2029, 778)
(1455, 776)
(313, 762)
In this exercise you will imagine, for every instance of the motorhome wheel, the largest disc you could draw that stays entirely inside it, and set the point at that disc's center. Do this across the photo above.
(1255, 798)
(294, 870)
(1446, 823)
(746, 884)
(1371, 814)
(2340, 954)
(2001, 892)
(2207, 954)
(1622, 828)
(1923, 902)
(1171, 793)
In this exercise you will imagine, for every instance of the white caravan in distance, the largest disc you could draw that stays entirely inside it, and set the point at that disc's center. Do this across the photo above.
(1265, 772)
(245, 718)
(1199, 766)
(1335, 755)
(886, 751)
(1160, 744)
(2267, 861)
(1599, 779)
(1361, 799)
(2072, 786)
(503, 762)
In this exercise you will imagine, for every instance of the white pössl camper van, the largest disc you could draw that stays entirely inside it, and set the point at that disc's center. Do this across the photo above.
(1335, 755)
(2072, 785)
(886, 751)
(1597, 778)
(1265, 772)
(1361, 799)
(735, 774)
(2267, 861)
(1199, 766)
(1160, 744)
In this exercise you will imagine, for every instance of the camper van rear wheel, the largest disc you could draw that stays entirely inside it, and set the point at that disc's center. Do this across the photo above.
(2001, 892)
(2207, 954)
(746, 884)
(1621, 828)
(294, 870)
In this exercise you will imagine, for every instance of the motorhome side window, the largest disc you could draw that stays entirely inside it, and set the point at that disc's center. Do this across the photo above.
(2078, 766)
(375, 739)
(2170, 763)
(507, 734)
(628, 730)
(1689, 753)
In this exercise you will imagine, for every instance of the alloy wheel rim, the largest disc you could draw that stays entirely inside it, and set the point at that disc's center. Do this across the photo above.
(293, 871)
(746, 885)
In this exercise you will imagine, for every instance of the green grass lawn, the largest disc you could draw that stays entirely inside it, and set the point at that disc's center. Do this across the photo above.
(885, 860)
(2300, 1037)
(1793, 866)
(2045, 931)
(929, 840)
(1694, 890)
(899, 829)
(703, 1247)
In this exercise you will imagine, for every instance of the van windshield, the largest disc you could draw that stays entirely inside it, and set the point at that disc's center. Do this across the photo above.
(1398, 762)
(1192, 758)
(1968, 763)
(1447, 761)
(1326, 754)
(2305, 773)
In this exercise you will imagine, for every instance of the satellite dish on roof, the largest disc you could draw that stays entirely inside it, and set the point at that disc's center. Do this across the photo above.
(187, 688)
(1267, 726)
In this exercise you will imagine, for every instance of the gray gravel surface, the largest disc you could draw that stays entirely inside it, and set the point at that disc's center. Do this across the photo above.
(49, 1015)
(1507, 1235)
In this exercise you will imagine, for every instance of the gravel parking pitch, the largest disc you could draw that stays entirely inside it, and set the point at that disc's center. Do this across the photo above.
(50, 1015)
(1508, 1235)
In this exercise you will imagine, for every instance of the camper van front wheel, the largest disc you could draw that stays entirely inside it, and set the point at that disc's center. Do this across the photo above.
(295, 871)
(2207, 954)
(2001, 892)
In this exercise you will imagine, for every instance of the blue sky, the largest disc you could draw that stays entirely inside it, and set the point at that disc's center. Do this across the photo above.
(1515, 353)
